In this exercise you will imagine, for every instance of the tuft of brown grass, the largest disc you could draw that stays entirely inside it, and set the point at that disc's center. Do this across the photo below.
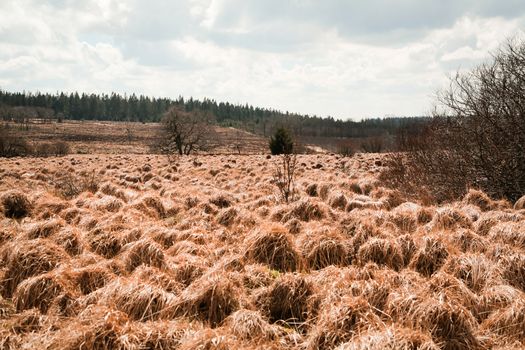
(287, 300)
(340, 322)
(513, 270)
(450, 218)
(382, 252)
(70, 240)
(104, 243)
(23, 259)
(210, 299)
(391, 337)
(45, 229)
(325, 251)
(274, 248)
(305, 210)
(479, 199)
(140, 301)
(16, 205)
(36, 292)
(144, 252)
(227, 217)
(508, 324)
(338, 201)
(430, 257)
(250, 325)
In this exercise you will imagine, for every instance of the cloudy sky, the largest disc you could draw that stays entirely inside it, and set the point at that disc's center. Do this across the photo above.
(347, 59)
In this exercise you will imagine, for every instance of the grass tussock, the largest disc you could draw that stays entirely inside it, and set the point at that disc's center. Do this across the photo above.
(36, 292)
(325, 251)
(382, 252)
(342, 321)
(209, 299)
(508, 323)
(287, 300)
(273, 248)
(104, 243)
(305, 211)
(143, 252)
(26, 259)
(16, 205)
(430, 257)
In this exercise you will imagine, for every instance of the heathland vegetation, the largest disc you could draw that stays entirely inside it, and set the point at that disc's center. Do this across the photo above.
(418, 249)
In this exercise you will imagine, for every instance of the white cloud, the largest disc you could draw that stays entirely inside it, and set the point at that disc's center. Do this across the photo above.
(299, 56)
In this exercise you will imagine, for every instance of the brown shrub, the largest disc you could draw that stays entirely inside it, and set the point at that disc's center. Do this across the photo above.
(25, 259)
(287, 300)
(274, 248)
(382, 252)
(430, 258)
(16, 205)
(36, 292)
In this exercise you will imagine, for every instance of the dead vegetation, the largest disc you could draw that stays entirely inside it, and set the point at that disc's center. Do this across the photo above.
(141, 260)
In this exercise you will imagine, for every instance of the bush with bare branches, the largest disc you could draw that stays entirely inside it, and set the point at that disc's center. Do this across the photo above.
(476, 138)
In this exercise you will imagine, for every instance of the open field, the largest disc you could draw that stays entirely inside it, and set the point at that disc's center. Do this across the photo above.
(131, 252)
(99, 137)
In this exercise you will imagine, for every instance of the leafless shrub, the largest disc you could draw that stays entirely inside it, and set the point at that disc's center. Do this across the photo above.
(284, 176)
(70, 185)
(477, 138)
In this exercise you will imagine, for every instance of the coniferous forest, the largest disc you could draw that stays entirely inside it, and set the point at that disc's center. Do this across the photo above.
(116, 107)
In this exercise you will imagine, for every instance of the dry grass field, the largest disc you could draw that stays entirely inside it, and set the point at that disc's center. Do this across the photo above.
(105, 137)
(132, 252)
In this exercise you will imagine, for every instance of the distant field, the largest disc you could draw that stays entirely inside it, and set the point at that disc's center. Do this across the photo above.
(131, 252)
(127, 138)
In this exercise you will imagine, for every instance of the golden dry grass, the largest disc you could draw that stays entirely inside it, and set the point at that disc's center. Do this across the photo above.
(201, 254)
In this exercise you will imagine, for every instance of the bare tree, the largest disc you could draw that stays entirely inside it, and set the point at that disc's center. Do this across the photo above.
(284, 176)
(477, 136)
(185, 132)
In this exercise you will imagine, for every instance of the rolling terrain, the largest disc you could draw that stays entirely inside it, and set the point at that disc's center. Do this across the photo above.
(129, 251)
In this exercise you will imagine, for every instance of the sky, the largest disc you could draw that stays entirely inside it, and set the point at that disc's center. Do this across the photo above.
(348, 59)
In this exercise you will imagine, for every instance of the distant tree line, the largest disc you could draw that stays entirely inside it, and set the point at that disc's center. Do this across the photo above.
(263, 121)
